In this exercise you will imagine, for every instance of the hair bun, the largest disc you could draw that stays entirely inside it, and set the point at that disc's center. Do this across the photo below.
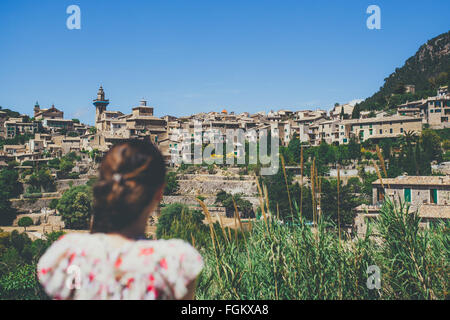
(129, 176)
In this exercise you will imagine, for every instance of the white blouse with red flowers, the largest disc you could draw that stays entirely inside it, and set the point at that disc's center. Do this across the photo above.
(87, 266)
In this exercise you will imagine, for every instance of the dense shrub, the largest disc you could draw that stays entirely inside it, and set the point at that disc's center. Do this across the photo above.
(18, 258)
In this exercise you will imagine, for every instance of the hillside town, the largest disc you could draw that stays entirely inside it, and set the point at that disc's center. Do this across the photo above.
(52, 137)
(56, 136)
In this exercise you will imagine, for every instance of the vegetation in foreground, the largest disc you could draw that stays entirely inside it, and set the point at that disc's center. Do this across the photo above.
(277, 261)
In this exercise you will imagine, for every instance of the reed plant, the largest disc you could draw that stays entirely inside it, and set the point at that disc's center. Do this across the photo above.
(299, 262)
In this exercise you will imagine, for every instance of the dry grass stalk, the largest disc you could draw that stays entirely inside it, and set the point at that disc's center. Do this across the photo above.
(213, 235)
(261, 203)
(239, 219)
(378, 173)
(223, 228)
(338, 211)
(382, 163)
(192, 240)
(313, 193)
(235, 228)
(266, 197)
(275, 274)
(287, 186)
(210, 223)
(380, 157)
(301, 182)
(319, 192)
(236, 212)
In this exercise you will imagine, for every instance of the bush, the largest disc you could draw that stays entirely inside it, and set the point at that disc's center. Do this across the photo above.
(73, 175)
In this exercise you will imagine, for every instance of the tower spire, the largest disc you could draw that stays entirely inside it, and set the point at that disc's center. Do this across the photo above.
(100, 106)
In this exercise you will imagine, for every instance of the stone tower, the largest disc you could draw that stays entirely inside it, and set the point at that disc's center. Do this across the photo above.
(37, 108)
(100, 105)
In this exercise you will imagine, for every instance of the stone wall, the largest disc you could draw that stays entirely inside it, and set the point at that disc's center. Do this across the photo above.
(65, 184)
(209, 200)
(48, 219)
(30, 205)
(210, 185)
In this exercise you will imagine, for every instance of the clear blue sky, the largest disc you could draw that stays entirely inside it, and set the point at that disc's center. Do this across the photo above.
(193, 56)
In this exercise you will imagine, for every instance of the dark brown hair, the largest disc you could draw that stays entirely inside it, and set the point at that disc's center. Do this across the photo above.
(130, 175)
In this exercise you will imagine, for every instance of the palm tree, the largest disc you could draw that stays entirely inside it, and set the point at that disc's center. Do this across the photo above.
(408, 139)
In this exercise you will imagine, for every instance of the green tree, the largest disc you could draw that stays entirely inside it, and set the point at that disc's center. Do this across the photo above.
(354, 149)
(356, 113)
(54, 163)
(75, 207)
(244, 206)
(25, 222)
(10, 187)
(294, 149)
(329, 200)
(178, 221)
(66, 165)
(171, 183)
(431, 144)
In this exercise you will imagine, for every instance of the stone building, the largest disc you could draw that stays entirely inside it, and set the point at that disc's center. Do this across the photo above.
(434, 111)
(428, 195)
(20, 125)
(378, 128)
(50, 113)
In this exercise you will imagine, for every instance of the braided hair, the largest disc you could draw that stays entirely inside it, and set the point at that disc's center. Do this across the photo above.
(130, 175)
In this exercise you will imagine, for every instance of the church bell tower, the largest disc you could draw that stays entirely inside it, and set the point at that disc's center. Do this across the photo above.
(100, 106)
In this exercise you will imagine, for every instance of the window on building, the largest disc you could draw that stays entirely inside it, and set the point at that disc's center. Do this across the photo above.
(390, 130)
(381, 131)
(407, 194)
(370, 131)
(401, 130)
(433, 196)
(438, 110)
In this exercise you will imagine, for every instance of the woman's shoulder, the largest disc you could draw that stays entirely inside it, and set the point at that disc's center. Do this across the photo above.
(82, 244)
(165, 253)
(169, 246)
(134, 269)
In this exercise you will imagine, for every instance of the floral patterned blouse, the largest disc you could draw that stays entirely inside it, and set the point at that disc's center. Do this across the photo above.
(88, 266)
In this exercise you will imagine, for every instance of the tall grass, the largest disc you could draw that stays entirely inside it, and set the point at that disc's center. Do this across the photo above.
(296, 262)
